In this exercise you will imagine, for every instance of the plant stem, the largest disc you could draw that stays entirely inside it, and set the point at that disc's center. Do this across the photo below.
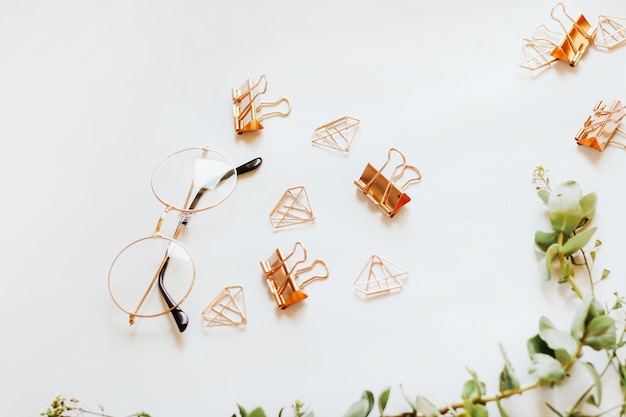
(504, 394)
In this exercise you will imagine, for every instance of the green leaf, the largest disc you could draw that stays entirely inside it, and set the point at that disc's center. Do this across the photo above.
(588, 309)
(588, 205)
(544, 195)
(546, 368)
(257, 412)
(551, 254)
(503, 413)
(476, 410)
(425, 407)
(605, 273)
(537, 345)
(360, 408)
(543, 240)
(508, 379)
(408, 400)
(473, 388)
(242, 411)
(600, 333)
(597, 381)
(622, 375)
(382, 400)
(370, 400)
(554, 410)
(577, 242)
(556, 339)
(564, 207)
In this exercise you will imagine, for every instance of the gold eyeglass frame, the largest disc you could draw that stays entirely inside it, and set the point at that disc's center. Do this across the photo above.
(188, 208)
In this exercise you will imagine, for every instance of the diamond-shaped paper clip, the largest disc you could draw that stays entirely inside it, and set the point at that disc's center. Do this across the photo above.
(380, 276)
(602, 126)
(227, 309)
(293, 208)
(611, 32)
(337, 134)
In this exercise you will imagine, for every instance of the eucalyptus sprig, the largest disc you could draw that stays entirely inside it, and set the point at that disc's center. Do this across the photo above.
(570, 214)
(64, 407)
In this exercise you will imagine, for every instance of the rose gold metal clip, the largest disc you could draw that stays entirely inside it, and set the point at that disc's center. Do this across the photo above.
(611, 32)
(380, 276)
(539, 51)
(282, 279)
(601, 127)
(337, 134)
(382, 190)
(247, 106)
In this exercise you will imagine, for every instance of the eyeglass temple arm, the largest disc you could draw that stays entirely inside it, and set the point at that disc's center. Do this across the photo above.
(241, 169)
(180, 317)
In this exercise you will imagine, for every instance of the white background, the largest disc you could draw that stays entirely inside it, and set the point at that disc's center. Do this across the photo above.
(94, 94)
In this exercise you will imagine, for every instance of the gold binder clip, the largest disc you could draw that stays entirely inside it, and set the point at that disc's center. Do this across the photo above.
(539, 51)
(282, 279)
(380, 276)
(337, 134)
(600, 127)
(293, 208)
(383, 190)
(247, 106)
(227, 309)
(611, 32)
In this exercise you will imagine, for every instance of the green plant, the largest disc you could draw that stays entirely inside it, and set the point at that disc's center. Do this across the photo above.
(63, 407)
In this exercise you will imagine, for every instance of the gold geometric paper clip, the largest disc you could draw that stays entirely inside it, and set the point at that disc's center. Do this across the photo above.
(540, 51)
(247, 106)
(599, 128)
(293, 208)
(382, 190)
(337, 134)
(611, 32)
(380, 276)
(282, 280)
(227, 309)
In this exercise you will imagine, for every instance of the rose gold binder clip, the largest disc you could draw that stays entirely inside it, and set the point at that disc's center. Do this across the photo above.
(283, 279)
(380, 276)
(542, 50)
(382, 190)
(227, 309)
(601, 127)
(337, 134)
(247, 106)
(293, 208)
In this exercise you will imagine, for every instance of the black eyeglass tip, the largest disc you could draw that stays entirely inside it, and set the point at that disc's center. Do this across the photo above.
(249, 166)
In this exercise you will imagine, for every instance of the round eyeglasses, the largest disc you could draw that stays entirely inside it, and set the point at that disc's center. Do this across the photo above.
(152, 276)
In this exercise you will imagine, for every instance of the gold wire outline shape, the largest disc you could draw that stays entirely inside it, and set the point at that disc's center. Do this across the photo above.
(601, 127)
(246, 112)
(572, 45)
(610, 28)
(384, 264)
(280, 278)
(300, 203)
(182, 221)
(332, 134)
(208, 321)
(382, 190)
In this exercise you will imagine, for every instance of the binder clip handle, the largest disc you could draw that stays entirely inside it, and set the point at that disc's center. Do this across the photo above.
(314, 277)
(274, 113)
